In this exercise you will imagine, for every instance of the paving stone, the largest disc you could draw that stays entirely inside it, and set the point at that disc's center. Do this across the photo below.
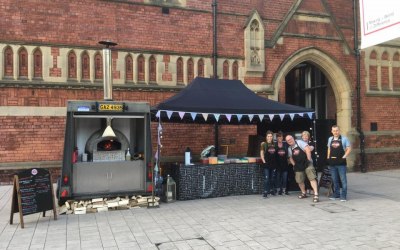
(232, 222)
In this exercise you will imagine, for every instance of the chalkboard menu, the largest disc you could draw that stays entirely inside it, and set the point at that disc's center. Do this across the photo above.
(32, 193)
(326, 180)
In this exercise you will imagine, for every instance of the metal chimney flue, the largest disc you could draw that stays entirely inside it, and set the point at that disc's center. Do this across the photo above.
(107, 69)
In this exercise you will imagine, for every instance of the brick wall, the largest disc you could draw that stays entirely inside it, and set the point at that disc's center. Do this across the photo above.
(7, 176)
(380, 161)
(143, 28)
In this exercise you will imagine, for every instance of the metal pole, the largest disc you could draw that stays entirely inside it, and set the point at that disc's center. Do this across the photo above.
(215, 63)
(215, 66)
(363, 166)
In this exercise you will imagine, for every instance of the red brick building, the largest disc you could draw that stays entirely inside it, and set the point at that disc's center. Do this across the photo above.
(296, 51)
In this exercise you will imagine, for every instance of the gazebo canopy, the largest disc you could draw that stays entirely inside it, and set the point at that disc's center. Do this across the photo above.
(214, 100)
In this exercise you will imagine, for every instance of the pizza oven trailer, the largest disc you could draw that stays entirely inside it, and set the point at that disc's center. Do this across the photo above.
(95, 162)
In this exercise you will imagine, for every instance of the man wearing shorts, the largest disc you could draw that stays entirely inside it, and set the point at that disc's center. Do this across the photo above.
(300, 157)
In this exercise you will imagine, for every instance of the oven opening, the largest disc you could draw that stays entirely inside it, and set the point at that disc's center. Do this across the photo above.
(109, 145)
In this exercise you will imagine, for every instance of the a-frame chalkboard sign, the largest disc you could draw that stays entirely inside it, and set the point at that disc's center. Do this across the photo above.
(32, 193)
(326, 181)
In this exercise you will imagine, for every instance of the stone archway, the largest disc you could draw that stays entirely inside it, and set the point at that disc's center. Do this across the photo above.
(335, 74)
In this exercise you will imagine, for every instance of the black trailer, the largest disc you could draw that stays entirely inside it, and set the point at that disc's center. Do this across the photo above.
(95, 162)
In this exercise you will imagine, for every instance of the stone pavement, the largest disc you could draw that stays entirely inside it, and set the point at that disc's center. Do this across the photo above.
(370, 219)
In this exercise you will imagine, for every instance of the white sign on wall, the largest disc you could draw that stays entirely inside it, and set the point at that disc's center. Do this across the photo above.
(380, 21)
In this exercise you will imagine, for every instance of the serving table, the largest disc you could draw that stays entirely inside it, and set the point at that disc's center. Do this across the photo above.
(216, 180)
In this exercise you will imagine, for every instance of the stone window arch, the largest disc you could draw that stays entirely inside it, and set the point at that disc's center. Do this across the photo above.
(200, 68)
(190, 70)
(254, 64)
(85, 66)
(385, 71)
(141, 68)
(37, 63)
(72, 69)
(98, 66)
(254, 42)
(23, 63)
(179, 70)
(152, 70)
(373, 71)
(129, 68)
(396, 71)
(225, 70)
(235, 71)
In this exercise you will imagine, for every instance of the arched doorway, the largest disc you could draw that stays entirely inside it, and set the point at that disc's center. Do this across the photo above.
(311, 78)
(306, 85)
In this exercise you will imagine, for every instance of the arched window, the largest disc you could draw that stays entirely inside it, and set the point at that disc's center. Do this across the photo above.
(396, 71)
(190, 70)
(98, 67)
(8, 62)
(152, 70)
(385, 71)
(235, 71)
(373, 71)
(140, 68)
(72, 65)
(23, 63)
(85, 66)
(129, 68)
(200, 68)
(255, 42)
(225, 70)
(37, 64)
(179, 70)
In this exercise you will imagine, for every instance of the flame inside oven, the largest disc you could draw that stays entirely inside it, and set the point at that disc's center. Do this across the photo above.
(108, 145)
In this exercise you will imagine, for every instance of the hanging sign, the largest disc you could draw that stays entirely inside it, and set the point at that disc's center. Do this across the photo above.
(379, 21)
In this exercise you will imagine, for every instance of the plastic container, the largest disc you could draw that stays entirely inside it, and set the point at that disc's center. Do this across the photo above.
(213, 160)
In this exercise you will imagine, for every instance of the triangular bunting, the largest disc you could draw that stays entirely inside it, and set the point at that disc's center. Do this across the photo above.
(156, 168)
(271, 117)
(251, 117)
(169, 113)
(216, 116)
(291, 116)
(193, 114)
(261, 117)
(300, 114)
(281, 116)
(181, 114)
(239, 117)
(228, 116)
(205, 116)
(156, 156)
(310, 115)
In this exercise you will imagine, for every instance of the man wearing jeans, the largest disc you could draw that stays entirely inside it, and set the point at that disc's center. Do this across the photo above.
(338, 150)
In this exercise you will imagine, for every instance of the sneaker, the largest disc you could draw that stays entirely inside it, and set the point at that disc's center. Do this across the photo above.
(286, 192)
(333, 198)
(280, 192)
(273, 192)
(265, 195)
(343, 200)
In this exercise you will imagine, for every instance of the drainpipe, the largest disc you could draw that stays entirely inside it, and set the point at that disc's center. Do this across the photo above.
(215, 65)
(363, 166)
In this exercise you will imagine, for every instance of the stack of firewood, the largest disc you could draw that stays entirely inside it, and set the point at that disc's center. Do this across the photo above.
(106, 204)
